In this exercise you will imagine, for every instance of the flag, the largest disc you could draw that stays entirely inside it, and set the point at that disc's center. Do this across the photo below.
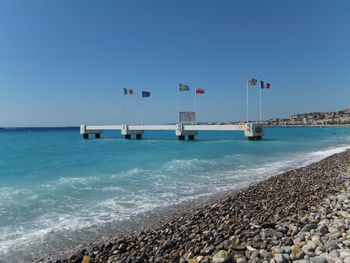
(128, 91)
(200, 91)
(264, 85)
(252, 81)
(183, 87)
(146, 94)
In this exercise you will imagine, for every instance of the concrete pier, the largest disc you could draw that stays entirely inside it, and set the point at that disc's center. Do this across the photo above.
(253, 131)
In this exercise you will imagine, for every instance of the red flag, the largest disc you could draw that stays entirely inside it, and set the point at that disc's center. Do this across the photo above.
(199, 91)
(267, 85)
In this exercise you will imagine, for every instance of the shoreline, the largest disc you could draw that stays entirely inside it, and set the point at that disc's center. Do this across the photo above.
(196, 231)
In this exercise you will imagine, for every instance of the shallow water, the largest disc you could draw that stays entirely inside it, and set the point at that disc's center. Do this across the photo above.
(58, 190)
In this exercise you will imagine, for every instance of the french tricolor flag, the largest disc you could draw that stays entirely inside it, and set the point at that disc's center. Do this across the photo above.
(264, 85)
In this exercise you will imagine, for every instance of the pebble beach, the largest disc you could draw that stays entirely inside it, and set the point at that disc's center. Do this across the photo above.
(298, 216)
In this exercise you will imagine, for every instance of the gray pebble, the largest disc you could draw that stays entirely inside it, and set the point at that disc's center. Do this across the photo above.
(334, 253)
(279, 258)
(318, 260)
(323, 230)
(207, 250)
(344, 253)
(241, 260)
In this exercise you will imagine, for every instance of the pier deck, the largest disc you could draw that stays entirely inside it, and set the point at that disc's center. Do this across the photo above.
(253, 131)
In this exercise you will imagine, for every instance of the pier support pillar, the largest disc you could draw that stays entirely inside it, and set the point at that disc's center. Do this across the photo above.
(86, 132)
(181, 132)
(127, 132)
(254, 131)
(255, 138)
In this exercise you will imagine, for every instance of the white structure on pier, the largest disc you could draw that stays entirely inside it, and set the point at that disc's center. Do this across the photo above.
(253, 131)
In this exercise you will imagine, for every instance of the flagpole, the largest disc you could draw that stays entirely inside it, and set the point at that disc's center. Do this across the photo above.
(247, 109)
(195, 104)
(260, 104)
(141, 109)
(124, 119)
(178, 102)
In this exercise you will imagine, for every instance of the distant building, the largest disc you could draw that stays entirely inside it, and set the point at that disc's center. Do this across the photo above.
(314, 118)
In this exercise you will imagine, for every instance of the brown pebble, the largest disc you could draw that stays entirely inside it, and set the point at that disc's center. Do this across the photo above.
(86, 259)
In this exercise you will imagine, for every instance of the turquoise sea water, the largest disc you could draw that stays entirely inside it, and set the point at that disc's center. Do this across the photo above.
(58, 190)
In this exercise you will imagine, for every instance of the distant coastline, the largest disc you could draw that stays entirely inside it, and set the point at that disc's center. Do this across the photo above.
(316, 125)
(339, 118)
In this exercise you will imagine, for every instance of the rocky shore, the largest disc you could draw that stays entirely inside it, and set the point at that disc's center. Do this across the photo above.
(299, 216)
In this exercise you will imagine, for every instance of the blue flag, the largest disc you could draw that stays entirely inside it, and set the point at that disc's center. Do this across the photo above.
(146, 94)
(262, 84)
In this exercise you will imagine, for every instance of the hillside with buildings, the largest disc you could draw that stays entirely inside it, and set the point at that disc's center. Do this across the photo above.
(314, 118)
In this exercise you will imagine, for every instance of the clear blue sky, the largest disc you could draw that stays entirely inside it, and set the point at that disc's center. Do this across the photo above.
(66, 62)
